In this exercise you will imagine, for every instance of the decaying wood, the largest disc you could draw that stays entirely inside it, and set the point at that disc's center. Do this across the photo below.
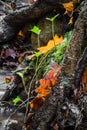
(47, 112)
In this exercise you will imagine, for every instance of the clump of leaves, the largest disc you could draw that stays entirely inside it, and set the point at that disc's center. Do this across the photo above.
(57, 53)
(45, 85)
(48, 52)
(50, 45)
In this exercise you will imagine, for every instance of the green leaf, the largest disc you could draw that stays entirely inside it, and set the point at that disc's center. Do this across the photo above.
(52, 18)
(37, 54)
(21, 74)
(16, 100)
(35, 30)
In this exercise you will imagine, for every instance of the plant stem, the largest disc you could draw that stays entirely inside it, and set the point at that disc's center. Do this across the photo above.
(53, 29)
(30, 84)
(38, 39)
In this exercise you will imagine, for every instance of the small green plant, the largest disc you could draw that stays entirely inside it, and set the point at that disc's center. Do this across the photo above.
(37, 54)
(52, 19)
(37, 31)
(16, 100)
(21, 75)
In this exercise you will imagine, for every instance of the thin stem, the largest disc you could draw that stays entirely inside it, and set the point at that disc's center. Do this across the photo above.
(38, 39)
(24, 85)
(30, 85)
(53, 29)
(36, 63)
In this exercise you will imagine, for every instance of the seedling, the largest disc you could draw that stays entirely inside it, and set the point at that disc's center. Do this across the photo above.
(37, 31)
(16, 100)
(21, 75)
(37, 54)
(52, 19)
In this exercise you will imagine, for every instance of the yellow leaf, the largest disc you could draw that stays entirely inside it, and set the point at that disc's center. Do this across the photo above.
(20, 33)
(69, 7)
(71, 21)
(20, 59)
(51, 44)
(8, 79)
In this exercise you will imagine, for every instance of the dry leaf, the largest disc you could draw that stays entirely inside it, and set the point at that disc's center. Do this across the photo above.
(37, 102)
(51, 44)
(71, 21)
(45, 83)
(45, 86)
(69, 6)
(20, 33)
(8, 79)
(30, 56)
(84, 80)
(29, 120)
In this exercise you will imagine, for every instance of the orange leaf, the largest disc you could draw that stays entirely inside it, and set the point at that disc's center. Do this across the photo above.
(42, 91)
(20, 33)
(84, 80)
(8, 79)
(53, 81)
(51, 44)
(37, 102)
(49, 75)
(71, 21)
(69, 6)
(45, 83)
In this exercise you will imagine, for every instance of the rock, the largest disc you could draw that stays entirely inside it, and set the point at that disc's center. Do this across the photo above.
(11, 125)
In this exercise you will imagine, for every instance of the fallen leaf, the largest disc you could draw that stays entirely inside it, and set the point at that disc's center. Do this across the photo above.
(45, 85)
(10, 53)
(20, 33)
(51, 44)
(43, 92)
(29, 120)
(37, 102)
(84, 80)
(8, 79)
(69, 6)
(71, 21)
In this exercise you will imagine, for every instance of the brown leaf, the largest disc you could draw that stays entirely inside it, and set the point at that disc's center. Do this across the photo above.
(37, 102)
